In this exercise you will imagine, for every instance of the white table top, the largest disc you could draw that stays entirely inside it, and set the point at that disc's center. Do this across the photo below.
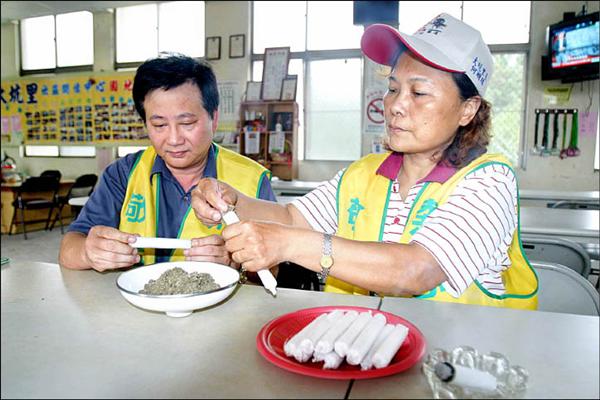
(71, 334)
(560, 351)
(579, 225)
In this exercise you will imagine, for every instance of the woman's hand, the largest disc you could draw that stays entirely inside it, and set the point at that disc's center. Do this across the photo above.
(211, 198)
(209, 248)
(108, 248)
(256, 245)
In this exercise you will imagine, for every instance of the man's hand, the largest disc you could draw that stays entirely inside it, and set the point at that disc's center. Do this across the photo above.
(108, 248)
(210, 199)
(209, 248)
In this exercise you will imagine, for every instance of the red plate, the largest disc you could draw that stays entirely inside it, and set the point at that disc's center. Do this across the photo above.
(273, 335)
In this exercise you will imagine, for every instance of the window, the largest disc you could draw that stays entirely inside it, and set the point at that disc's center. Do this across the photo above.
(41, 151)
(331, 79)
(60, 151)
(330, 112)
(122, 151)
(52, 43)
(143, 31)
(77, 151)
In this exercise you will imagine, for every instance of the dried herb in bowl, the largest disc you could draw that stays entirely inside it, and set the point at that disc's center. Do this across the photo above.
(178, 281)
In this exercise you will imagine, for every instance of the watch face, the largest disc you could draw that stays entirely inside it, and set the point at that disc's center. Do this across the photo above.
(326, 261)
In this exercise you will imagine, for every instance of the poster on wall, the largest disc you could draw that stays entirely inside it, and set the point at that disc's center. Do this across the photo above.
(75, 110)
(229, 105)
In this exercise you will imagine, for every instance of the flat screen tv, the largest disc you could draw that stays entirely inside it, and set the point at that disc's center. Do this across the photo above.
(573, 44)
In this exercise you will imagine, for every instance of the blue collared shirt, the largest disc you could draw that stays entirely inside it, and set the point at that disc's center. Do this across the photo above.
(105, 203)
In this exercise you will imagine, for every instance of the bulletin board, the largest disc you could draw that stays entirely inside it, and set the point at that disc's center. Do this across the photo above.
(86, 109)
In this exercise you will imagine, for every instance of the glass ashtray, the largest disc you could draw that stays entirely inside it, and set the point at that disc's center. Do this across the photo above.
(511, 380)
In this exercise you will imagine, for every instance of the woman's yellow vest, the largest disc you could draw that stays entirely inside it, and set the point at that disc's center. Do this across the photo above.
(139, 213)
(362, 202)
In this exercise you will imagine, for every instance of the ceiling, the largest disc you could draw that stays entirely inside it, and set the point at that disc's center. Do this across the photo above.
(15, 10)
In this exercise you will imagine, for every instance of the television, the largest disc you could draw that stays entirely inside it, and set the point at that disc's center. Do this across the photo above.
(573, 45)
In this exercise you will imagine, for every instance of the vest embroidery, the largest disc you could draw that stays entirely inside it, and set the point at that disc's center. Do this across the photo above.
(353, 211)
(427, 208)
(136, 208)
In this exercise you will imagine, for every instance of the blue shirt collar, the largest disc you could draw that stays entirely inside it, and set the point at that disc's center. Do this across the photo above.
(210, 171)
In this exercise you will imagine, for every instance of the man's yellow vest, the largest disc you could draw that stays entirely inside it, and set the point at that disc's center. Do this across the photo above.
(363, 198)
(139, 213)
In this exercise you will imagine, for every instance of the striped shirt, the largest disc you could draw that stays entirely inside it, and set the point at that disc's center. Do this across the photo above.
(469, 235)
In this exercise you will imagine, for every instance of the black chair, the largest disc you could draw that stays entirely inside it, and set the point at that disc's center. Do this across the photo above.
(294, 276)
(36, 193)
(83, 186)
(52, 172)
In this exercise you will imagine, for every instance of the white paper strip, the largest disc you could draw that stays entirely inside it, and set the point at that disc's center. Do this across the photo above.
(161, 243)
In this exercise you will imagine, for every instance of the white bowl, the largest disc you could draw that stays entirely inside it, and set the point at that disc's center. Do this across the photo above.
(177, 305)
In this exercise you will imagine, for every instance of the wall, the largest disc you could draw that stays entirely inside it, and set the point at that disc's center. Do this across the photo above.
(576, 173)
(228, 18)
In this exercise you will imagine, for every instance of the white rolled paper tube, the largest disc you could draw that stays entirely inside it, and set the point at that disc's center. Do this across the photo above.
(332, 360)
(365, 339)
(290, 346)
(300, 355)
(308, 343)
(325, 344)
(367, 361)
(388, 348)
(317, 357)
(343, 343)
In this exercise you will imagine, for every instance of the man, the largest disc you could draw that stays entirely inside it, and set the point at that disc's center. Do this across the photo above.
(149, 193)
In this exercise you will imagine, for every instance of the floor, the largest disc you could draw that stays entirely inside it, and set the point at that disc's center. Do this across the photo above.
(44, 245)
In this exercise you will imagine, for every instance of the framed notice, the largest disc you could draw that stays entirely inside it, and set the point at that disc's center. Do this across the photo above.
(237, 46)
(274, 72)
(213, 48)
(253, 91)
(288, 88)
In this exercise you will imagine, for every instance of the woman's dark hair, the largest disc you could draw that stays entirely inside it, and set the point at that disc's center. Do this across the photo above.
(471, 140)
(173, 70)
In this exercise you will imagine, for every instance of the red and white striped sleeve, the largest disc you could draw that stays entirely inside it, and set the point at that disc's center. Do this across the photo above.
(469, 235)
(319, 207)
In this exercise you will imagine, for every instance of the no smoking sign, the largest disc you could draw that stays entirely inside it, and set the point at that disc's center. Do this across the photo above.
(375, 111)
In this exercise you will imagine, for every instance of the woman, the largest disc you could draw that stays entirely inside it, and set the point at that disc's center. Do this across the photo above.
(435, 218)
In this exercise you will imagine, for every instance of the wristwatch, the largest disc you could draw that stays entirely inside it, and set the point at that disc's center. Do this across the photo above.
(326, 258)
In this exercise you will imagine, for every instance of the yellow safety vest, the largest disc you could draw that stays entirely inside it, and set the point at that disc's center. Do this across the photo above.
(362, 202)
(139, 213)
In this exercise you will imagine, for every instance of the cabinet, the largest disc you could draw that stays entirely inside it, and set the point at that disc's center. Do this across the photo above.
(269, 135)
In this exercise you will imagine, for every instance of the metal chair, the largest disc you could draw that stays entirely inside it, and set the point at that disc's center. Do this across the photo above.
(576, 204)
(563, 290)
(36, 193)
(83, 186)
(556, 250)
